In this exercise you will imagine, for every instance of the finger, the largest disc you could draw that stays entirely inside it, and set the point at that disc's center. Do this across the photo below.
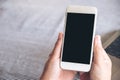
(98, 43)
(98, 49)
(57, 48)
(84, 75)
(100, 55)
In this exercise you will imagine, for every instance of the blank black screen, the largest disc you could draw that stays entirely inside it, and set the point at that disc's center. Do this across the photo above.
(78, 38)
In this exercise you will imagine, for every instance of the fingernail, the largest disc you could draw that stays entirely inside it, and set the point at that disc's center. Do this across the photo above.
(98, 40)
(60, 36)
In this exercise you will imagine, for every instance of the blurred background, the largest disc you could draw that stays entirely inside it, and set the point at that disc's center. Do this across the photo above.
(29, 29)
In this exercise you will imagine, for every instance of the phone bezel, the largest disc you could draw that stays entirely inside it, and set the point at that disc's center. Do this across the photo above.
(79, 66)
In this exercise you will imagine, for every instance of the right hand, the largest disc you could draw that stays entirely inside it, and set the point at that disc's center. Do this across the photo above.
(101, 65)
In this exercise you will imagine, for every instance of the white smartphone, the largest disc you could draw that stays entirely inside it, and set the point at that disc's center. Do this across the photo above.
(77, 48)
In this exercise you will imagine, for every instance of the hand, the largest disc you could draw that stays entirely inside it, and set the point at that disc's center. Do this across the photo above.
(101, 65)
(52, 70)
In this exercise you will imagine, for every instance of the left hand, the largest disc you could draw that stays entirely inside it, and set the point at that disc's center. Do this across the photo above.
(52, 70)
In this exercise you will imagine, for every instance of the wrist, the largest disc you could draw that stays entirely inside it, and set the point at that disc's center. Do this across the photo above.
(46, 78)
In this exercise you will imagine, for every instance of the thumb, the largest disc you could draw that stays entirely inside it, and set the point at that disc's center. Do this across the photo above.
(57, 49)
(98, 49)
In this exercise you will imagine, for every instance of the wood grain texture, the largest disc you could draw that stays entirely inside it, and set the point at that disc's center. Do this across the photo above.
(115, 68)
